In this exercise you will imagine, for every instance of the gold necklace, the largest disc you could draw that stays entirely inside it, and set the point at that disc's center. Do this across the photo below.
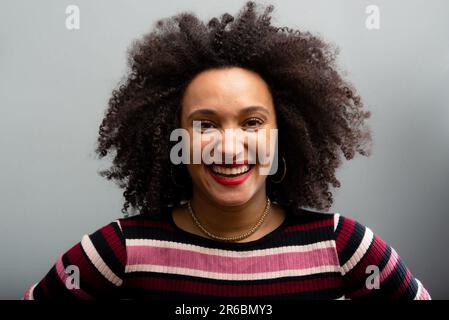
(234, 238)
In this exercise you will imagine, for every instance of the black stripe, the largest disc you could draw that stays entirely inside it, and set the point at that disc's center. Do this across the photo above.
(157, 295)
(386, 256)
(396, 277)
(412, 289)
(353, 243)
(38, 293)
(282, 239)
(106, 253)
(199, 280)
(119, 233)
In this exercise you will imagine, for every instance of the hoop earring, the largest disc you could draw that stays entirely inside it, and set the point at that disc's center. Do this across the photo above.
(283, 175)
(173, 178)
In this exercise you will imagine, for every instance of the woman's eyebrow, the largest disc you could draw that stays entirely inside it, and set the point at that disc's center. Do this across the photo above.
(201, 112)
(255, 109)
(213, 112)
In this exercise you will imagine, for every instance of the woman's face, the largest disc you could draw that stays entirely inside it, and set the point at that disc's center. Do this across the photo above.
(237, 100)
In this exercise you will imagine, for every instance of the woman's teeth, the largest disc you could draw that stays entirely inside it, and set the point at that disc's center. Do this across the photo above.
(230, 171)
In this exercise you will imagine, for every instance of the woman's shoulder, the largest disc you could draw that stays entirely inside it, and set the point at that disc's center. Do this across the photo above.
(311, 216)
(136, 225)
(341, 225)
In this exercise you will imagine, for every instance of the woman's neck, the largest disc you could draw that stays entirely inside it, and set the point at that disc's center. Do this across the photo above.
(229, 220)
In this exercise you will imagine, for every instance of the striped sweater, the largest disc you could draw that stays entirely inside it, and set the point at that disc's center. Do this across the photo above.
(310, 256)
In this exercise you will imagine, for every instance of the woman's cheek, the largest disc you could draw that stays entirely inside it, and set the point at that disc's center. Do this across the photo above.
(262, 145)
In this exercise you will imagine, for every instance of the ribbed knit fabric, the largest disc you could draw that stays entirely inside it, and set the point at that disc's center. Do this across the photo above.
(310, 256)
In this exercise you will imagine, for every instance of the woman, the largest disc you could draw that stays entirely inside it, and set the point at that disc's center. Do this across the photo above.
(225, 229)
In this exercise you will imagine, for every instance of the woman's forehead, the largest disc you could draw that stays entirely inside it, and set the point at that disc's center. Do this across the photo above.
(227, 89)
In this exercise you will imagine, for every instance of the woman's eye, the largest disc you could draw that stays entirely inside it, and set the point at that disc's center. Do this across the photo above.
(204, 125)
(253, 123)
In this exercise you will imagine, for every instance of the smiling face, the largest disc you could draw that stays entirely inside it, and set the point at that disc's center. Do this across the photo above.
(223, 99)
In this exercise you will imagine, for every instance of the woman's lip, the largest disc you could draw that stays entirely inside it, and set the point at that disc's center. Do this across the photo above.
(230, 181)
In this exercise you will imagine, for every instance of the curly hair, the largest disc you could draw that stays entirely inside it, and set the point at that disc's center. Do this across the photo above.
(320, 116)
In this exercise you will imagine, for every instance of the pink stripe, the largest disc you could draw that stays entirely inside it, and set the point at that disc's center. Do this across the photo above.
(424, 294)
(27, 295)
(390, 266)
(404, 285)
(213, 263)
(60, 270)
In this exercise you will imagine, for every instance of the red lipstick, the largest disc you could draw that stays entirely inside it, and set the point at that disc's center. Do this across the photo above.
(231, 181)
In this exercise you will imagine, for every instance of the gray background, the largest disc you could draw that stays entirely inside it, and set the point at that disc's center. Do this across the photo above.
(55, 83)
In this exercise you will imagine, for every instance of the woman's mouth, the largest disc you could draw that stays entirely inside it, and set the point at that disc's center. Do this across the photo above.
(231, 174)
(230, 171)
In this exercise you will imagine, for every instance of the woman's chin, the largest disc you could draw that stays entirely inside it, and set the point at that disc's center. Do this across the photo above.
(230, 200)
(230, 191)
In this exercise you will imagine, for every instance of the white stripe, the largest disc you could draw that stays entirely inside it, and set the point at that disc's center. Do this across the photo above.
(31, 295)
(119, 225)
(230, 276)
(98, 262)
(341, 298)
(418, 292)
(336, 220)
(228, 253)
(359, 253)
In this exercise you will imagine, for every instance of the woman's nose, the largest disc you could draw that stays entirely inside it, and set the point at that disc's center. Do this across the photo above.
(231, 145)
